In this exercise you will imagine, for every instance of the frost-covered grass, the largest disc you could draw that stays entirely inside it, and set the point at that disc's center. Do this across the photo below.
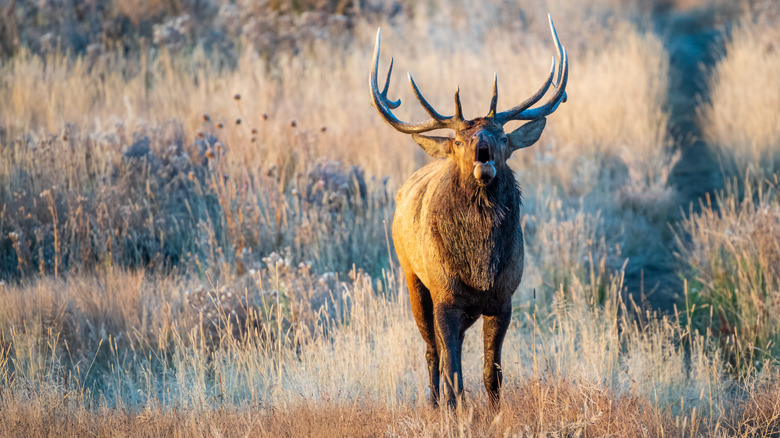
(195, 241)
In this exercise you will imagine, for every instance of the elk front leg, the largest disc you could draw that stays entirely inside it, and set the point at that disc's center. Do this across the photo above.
(448, 322)
(494, 329)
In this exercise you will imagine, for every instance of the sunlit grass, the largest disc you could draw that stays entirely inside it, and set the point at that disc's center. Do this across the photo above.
(741, 120)
(196, 242)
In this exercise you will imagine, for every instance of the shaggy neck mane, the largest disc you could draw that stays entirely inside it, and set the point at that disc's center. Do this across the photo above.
(473, 224)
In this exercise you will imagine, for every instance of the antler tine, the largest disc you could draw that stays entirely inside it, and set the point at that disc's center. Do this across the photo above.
(383, 104)
(558, 48)
(458, 107)
(494, 100)
(521, 112)
(390, 104)
(424, 103)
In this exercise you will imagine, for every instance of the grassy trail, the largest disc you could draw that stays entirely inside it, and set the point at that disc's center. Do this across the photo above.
(695, 44)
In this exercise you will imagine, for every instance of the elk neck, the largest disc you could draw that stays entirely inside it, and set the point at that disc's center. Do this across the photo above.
(475, 226)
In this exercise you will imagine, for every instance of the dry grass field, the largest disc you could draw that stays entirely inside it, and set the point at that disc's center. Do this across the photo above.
(196, 199)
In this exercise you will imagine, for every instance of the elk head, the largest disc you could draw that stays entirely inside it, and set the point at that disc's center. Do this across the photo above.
(480, 146)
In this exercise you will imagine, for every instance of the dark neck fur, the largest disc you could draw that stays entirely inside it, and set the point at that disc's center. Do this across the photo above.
(475, 226)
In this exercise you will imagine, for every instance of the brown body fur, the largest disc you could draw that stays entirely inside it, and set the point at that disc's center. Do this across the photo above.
(473, 243)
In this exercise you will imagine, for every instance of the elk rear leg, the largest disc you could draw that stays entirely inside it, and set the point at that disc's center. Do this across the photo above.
(422, 308)
(494, 329)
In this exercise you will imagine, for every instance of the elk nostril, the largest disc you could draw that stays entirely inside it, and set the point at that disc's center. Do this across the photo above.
(483, 154)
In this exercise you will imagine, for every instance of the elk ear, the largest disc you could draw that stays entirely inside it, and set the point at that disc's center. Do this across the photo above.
(437, 147)
(526, 135)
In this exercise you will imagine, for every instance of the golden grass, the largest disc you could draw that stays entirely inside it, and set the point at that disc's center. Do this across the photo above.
(742, 120)
(573, 362)
(325, 88)
(615, 113)
(732, 253)
(67, 122)
(344, 374)
(537, 407)
(577, 368)
(236, 280)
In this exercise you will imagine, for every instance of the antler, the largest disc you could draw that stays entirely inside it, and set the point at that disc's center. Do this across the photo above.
(384, 105)
(437, 121)
(522, 111)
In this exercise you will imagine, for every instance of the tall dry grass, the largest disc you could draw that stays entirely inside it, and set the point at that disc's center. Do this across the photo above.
(731, 251)
(195, 243)
(206, 165)
(579, 367)
(574, 361)
(741, 119)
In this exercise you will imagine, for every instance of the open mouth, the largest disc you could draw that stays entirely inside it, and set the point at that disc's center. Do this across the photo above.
(484, 167)
(483, 154)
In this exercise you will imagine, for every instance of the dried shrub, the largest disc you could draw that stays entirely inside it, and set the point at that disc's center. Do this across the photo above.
(757, 410)
(730, 251)
(335, 186)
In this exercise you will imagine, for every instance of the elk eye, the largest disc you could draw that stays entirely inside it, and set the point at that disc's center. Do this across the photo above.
(458, 143)
(504, 140)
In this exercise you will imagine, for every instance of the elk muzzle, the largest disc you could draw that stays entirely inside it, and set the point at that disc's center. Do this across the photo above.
(484, 165)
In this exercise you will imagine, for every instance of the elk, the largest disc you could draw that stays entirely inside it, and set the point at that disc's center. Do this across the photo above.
(456, 228)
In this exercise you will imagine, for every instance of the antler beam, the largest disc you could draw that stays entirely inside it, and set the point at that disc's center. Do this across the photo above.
(437, 121)
(384, 105)
(522, 111)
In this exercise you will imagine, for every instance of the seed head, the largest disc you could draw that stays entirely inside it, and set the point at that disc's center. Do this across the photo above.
(206, 117)
(293, 124)
(238, 121)
(265, 116)
(237, 96)
(220, 126)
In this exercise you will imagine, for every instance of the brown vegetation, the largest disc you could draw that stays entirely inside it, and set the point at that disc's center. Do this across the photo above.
(166, 270)
(535, 408)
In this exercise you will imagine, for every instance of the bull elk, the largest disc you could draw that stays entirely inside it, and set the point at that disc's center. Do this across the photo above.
(457, 229)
